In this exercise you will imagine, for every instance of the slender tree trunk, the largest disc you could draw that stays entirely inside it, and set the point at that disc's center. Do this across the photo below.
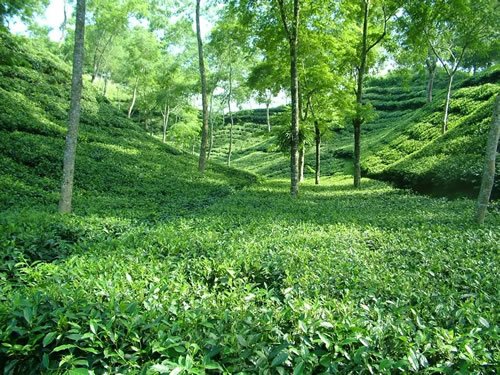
(105, 85)
(302, 153)
(166, 115)
(268, 118)
(74, 111)
(230, 116)
(447, 104)
(317, 139)
(358, 120)
(431, 70)
(203, 78)
(134, 97)
(294, 85)
(489, 164)
(211, 123)
(62, 28)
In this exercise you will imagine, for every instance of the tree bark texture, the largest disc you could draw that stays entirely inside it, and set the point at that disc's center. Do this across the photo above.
(166, 115)
(211, 123)
(489, 164)
(317, 139)
(134, 97)
(431, 70)
(230, 116)
(268, 118)
(302, 153)
(444, 129)
(204, 130)
(74, 111)
(357, 121)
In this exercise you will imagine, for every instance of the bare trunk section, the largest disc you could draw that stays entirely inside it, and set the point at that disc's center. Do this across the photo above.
(317, 140)
(444, 129)
(230, 116)
(105, 85)
(74, 111)
(431, 64)
(134, 97)
(204, 130)
(62, 28)
(166, 115)
(211, 123)
(489, 164)
(358, 121)
(302, 153)
(268, 118)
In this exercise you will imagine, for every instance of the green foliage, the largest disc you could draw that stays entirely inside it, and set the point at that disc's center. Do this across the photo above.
(163, 270)
(244, 285)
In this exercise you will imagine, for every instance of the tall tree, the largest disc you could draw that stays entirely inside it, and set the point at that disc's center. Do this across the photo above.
(375, 16)
(291, 27)
(204, 101)
(74, 111)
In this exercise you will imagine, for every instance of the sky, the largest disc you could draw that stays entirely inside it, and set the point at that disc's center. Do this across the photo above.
(53, 18)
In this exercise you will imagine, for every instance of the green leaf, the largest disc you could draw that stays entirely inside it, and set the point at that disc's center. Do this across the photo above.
(299, 369)
(93, 326)
(279, 359)
(484, 322)
(162, 369)
(28, 315)
(49, 337)
(326, 325)
(60, 348)
(45, 361)
(325, 340)
(176, 371)
(302, 326)
(412, 358)
(78, 371)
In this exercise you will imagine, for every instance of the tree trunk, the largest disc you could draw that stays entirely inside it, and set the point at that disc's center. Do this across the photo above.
(268, 117)
(211, 123)
(166, 115)
(447, 104)
(105, 85)
(230, 116)
(317, 139)
(489, 164)
(62, 28)
(431, 70)
(358, 120)
(74, 111)
(134, 97)
(294, 86)
(203, 78)
(302, 153)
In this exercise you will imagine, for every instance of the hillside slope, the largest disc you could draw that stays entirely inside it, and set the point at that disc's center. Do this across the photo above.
(161, 270)
(116, 160)
(403, 143)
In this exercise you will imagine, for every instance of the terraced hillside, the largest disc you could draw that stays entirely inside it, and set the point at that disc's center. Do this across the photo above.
(403, 143)
(115, 157)
(163, 270)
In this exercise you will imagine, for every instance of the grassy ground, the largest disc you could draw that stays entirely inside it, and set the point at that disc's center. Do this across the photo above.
(337, 280)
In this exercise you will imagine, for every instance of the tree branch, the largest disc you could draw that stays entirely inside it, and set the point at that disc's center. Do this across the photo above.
(281, 7)
(439, 58)
(379, 39)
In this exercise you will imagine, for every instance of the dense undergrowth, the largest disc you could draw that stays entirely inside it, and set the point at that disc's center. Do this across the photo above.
(339, 280)
(161, 270)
